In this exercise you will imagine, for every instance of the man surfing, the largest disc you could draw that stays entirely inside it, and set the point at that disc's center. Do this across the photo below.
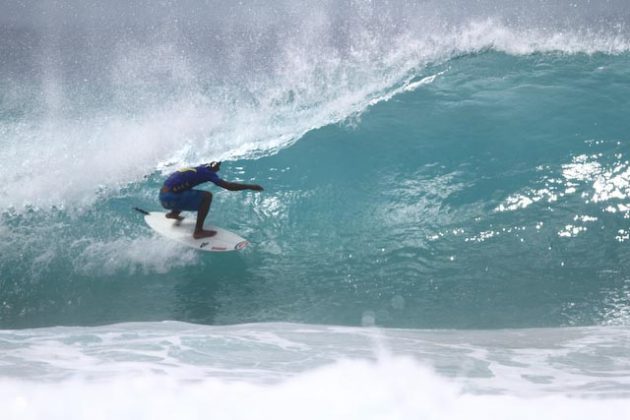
(177, 193)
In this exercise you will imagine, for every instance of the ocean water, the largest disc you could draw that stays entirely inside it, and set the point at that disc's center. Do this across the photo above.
(444, 229)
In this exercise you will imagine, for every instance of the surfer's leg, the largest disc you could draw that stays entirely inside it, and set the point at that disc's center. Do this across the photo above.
(204, 207)
(169, 201)
(174, 214)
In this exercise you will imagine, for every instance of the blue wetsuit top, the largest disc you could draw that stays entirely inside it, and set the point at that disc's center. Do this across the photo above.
(186, 178)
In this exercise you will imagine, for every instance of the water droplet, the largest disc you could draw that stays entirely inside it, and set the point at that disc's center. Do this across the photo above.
(368, 319)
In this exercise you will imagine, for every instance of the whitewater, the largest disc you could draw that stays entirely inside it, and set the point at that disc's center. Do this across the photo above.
(443, 233)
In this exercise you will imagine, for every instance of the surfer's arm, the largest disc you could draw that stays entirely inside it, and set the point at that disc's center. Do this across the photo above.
(235, 186)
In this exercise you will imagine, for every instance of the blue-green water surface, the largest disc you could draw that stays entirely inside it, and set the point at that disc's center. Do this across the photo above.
(481, 184)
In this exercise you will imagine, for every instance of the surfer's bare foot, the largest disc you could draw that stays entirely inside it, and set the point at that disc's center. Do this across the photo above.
(174, 215)
(204, 234)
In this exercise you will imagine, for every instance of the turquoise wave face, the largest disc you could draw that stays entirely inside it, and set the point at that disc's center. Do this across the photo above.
(494, 196)
(469, 173)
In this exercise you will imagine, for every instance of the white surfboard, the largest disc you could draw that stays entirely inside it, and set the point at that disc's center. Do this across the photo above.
(182, 231)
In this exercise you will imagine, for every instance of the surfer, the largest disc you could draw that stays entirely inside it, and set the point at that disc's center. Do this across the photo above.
(177, 193)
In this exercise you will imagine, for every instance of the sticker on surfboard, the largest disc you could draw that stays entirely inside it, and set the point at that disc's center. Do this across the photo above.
(182, 231)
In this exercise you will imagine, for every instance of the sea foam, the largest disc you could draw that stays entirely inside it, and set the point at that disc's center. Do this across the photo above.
(395, 388)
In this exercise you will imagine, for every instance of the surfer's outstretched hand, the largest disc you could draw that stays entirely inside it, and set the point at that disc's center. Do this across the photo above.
(255, 187)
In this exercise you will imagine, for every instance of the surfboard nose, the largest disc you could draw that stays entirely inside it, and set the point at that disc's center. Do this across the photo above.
(241, 245)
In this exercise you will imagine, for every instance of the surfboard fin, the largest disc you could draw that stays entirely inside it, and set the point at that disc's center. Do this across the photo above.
(138, 209)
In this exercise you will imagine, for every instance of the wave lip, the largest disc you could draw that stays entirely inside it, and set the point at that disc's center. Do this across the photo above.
(145, 103)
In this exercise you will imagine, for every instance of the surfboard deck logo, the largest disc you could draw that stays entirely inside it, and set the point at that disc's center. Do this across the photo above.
(182, 231)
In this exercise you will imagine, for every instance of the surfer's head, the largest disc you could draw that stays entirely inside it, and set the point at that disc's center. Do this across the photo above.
(215, 166)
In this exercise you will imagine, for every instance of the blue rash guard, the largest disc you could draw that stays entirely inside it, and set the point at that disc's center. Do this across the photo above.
(177, 193)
